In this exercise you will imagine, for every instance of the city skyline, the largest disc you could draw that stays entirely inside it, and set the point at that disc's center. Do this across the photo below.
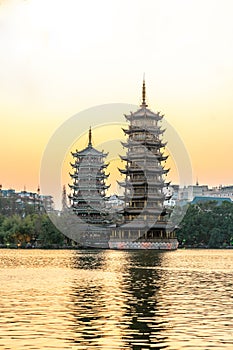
(58, 60)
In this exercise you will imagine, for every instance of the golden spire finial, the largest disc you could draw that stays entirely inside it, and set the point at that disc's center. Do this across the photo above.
(90, 143)
(144, 92)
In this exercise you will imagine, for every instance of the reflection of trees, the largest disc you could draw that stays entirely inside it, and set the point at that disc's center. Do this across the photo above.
(114, 303)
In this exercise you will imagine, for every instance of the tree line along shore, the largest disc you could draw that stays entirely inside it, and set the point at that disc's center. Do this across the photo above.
(205, 225)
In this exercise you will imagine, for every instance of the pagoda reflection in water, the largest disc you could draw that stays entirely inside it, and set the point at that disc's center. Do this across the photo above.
(144, 223)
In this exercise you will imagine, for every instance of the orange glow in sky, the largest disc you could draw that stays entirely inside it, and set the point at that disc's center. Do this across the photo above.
(59, 58)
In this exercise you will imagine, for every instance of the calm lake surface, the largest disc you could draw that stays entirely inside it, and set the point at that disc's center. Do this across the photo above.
(51, 299)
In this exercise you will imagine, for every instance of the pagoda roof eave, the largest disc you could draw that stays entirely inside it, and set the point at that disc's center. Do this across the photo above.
(89, 150)
(90, 176)
(145, 170)
(129, 183)
(138, 211)
(130, 171)
(148, 225)
(146, 182)
(144, 129)
(145, 155)
(142, 113)
(84, 165)
(88, 188)
(147, 196)
(157, 144)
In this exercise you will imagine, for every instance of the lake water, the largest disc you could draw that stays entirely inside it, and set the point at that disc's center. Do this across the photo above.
(51, 299)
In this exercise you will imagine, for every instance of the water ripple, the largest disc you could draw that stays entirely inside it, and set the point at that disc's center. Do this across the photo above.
(116, 300)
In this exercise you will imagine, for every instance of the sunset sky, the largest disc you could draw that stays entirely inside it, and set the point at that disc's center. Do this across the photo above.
(59, 58)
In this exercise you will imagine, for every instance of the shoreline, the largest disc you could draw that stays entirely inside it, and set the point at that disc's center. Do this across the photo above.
(88, 248)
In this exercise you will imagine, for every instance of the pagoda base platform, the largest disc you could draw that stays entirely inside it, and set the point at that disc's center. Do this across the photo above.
(155, 244)
(89, 236)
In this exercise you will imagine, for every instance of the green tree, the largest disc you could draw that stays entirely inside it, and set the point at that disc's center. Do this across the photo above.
(49, 234)
(10, 227)
(207, 223)
(216, 238)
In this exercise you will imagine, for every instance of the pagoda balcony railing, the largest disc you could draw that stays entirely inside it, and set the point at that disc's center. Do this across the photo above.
(140, 205)
(134, 142)
(144, 122)
(145, 194)
(144, 130)
(87, 166)
(138, 211)
(129, 183)
(142, 190)
(87, 201)
(148, 155)
(91, 187)
(90, 176)
(88, 193)
(131, 170)
(89, 184)
(155, 169)
(139, 137)
(148, 168)
(154, 210)
(94, 205)
(136, 239)
(149, 182)
(91, 216)
(88, 211)
(142, 151)
(143, 197)
(82, 206)
(144, 165)
(137, 190)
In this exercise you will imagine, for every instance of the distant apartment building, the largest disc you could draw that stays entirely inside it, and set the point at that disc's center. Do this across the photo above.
(13, 202)
(188, 193)
(222, 191)
(194, 193)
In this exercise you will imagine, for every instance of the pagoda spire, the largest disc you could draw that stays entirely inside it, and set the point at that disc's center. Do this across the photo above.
(144, 104)
(64, 196)
(90, 137)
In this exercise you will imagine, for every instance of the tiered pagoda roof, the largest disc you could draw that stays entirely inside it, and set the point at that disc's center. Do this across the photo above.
(88, 197)
(144, 172)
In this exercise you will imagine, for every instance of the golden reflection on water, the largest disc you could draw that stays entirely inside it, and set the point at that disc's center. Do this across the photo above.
(116, 299)
(100, 304)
